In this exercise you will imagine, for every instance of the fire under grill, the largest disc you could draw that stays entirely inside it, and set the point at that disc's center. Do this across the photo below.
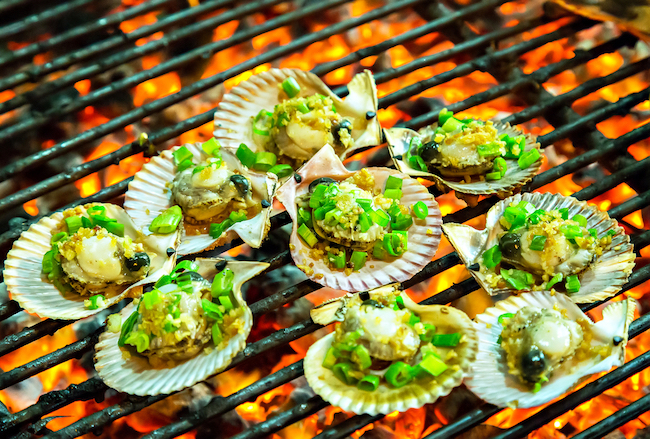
(478, 38)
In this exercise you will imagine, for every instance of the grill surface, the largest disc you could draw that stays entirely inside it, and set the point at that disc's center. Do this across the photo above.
(482, 54)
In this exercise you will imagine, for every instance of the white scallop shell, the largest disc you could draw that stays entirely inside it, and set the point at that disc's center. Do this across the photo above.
(602, 279)
(29, 287)
(136, 376)
(233, 118)
(399, 140)
(149, 195)
(423, 235)
(489, 378)
(387, 399)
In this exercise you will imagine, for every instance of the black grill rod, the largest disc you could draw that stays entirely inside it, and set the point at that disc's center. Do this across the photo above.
(35, 159)
(617, 419)
(111, 21)
(26, 23)
(486, 411)
(30, 334)
(97, 49)
(166, 134)
(6, 5)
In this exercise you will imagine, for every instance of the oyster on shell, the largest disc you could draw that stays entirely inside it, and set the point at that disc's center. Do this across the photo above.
(168, 361)
(460, 159)
(396, 334)
(547, 346)
(592, 261)
(92, 261)
(207, 192)
(325, 172)
(295, 128)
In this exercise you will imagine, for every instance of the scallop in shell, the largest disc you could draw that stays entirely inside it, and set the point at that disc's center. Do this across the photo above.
(350, 125)
(127, 371)
(28, 285)
(600, 277)
(382, 318)
(150, 193)
(566, 336)
(423, 234)
(400, 142)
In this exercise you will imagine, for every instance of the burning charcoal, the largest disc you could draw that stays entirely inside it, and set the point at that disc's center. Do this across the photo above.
(56, 101)
(187, 402)
(378, 432)
(227, 425)
(420, 106)
(459, 402)
(23, 394)
(643, 433)
(589, 175)
(481, 432)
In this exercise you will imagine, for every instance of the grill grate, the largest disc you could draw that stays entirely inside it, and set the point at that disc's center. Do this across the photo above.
(555, 109)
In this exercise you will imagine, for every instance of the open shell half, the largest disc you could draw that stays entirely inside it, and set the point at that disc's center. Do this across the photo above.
(489, 377)
(399, 140)
(29, 286)
(134, 374)
(233, 119)
(386, 399)
(602, 279)
(423, 235)
(149, 195)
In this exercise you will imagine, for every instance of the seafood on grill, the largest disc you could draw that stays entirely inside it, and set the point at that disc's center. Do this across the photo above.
(80, 261)
(470, 156)
(537, 346)
(189, 327)
(359, 230)
(205, 190)
(388, 353)
(292, 114)
(546, 242)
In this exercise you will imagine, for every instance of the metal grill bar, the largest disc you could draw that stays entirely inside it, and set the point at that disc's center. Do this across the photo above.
(621, 417)
(110, 21)
(94, 50)
(121, 121)
(42, 17)
(6, 5)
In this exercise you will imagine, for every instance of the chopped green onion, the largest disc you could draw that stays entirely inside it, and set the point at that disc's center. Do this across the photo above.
(380, 217)
(96, 209)
(394, 244)
(571, 231)
(401, 222)
(74, 223)
(443, 116)
(185, 164)
(361, 357)
(500, 166)
(452, 124)
(246, 156)
(264, 161)
(48, 261)
(333, 217)
(182, 154)
(223, 283)
(217, 337)
(281, 170)
(538, 242)
(528, 158)
(186, 265)
(429, 333)
(364, 222)
(342, 372)
(502, 317)
(572, 284)
(337, 260)
(358, 260)
(151, 298)
(514, 146)
(304, 217)
(318, 196)
(217, 229)
(395, 194)
(115, 228)
(564, 212)
(593, 232)
(610, 232)
(138, 339)
(237, 216)
(393, 182)
(262, 122)
(534, 217)
(58, 237)
(493, 176)
(378, 251)
(291, 87)
(555, 279)
(86, 222)
(307, 235)
(398, 374)
(365, 203)
(62, 286)
(515, 215)
(96, 302)
(211, 147)
(416, 162)
(580, 219)
(303, 108)
(446, 340)
(431, 365)
(167, 221)
(226, 302)
(330, 359)
(517, 279)
(170, 327)
(420, 210)
(198, 169)
(489, 149)
(492, 257)
(413, 319)
(369, 383)
(320, 212)
(399, 302)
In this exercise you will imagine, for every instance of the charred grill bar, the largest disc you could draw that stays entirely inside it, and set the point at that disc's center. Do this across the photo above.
(541, 104)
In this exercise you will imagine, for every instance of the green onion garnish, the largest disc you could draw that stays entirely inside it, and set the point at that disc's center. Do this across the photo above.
(167, 221)
(291, 87)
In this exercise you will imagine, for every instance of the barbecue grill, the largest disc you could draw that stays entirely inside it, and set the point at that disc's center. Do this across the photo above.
(488, 51)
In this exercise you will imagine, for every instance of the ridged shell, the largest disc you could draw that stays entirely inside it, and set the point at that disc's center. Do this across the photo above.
(25, 281)
(136, 376)
(148, 195)
(399, 140)
(387, 399)
(489, 377)
(422, 246)
(601, 280)
(233, 119)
